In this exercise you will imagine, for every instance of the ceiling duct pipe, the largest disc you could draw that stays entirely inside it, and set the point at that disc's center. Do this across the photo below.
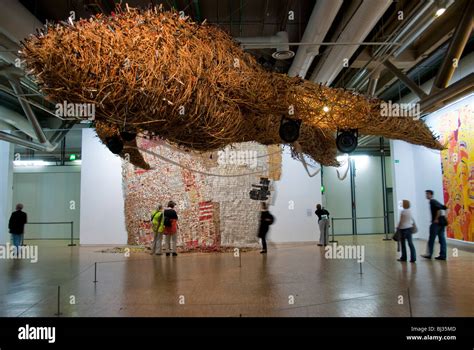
(365, 18)
(421, 24)
(323, 15)
(278, 42)
(456, 47)
(16, 21)
(359, 79)
(445, 96)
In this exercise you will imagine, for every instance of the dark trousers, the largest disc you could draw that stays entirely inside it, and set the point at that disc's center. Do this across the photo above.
(437, 231)
(406, 236)
(264, 242)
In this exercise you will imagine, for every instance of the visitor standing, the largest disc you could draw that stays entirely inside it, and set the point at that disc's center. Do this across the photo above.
(16, 226)
(405, 226)
(158, 225)
(323, 222)
(266, 219)
(171, 229)
(438, 223)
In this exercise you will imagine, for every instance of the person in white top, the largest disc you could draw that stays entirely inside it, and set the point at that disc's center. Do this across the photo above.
(406, 230)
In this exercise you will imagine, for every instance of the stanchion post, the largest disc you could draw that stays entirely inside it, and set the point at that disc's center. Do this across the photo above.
(360, 266)
(95, 272)
(409, 302)
(332, 231)
(59, 302)
(72, 235)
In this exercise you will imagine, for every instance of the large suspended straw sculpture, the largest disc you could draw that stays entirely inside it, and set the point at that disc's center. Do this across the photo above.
(154, 72)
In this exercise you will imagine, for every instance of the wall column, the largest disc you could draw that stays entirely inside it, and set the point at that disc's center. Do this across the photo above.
(6, 188)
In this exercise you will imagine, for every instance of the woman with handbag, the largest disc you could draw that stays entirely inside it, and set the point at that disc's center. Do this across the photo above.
(406, 228)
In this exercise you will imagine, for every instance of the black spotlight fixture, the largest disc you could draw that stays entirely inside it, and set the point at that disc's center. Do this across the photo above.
(347, 140)
(289, 129)
(128, 135)
(114, 144)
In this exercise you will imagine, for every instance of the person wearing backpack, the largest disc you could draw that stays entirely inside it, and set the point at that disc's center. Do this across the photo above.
(170, 229)
(158, 225)
(438, 223)
(266, 219)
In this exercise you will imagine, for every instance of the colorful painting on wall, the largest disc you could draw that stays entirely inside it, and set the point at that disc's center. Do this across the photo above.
(214, 211)
(456, 127)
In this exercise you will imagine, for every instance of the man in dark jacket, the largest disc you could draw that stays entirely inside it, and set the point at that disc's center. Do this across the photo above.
(16, 225)
(436, 228)
(266, 219)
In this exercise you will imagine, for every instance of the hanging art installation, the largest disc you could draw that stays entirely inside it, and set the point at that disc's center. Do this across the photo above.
(156, 73)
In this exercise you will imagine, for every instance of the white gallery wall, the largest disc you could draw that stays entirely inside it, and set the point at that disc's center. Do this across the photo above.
(337, 198)
(368, 194)
(102, 204)
(49, 194)
(296, 197)
(6, 189)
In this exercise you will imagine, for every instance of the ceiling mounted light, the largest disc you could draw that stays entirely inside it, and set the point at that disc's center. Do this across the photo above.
(440, 11)
(326, 109)
(347, 140)
(289, 130)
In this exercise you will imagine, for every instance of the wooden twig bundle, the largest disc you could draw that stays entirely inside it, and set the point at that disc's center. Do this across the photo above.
(152, 71)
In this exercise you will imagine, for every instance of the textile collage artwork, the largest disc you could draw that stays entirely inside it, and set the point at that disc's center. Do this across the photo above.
(214, 211)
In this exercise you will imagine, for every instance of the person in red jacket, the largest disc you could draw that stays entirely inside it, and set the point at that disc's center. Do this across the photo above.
(171, 229)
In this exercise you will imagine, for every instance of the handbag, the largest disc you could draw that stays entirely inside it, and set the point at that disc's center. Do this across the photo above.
(396, 235)
(414, 228)
(442, 221)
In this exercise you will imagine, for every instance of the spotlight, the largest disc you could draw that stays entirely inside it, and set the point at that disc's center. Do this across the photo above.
(326, 109)
(440, 11)
(346, 140)
(128, 136)
(114, 144)
(289, 129)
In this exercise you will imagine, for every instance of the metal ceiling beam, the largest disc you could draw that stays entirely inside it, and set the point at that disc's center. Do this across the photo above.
(455, 49)
(15, 84)
(25, 143)
(407, 81)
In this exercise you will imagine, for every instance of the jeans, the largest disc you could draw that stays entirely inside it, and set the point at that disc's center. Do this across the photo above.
(406, 236)
(171, 238)
(437, 230)
(324, 231)
(17, 241)
(157, 242)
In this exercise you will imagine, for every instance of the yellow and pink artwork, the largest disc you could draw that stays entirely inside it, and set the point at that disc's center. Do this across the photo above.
(456, 128)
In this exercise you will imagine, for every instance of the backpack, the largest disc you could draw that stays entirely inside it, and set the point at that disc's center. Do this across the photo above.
(160, 221)
(272, 219)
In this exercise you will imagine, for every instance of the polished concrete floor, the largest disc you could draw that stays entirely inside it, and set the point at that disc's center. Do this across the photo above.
(292, 280)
